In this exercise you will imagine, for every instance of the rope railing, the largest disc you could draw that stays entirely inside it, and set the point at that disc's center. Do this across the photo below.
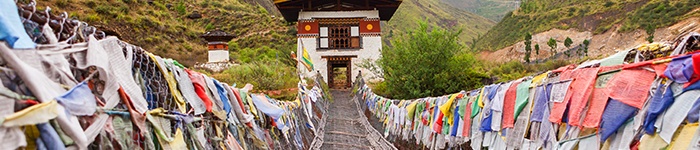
(84, 92)
(626, 105)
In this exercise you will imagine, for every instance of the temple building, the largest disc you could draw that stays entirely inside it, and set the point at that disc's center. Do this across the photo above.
(338, 34)
(217, 43)
(218, 55)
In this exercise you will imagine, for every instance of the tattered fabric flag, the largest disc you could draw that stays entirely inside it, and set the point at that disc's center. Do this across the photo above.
(694, 112)
(676, 114)
(467, 122)
(631, 86)
(446, 107)
(509, 105)
(266, 107)
(306, 59)
(599, 98)
(539, 79)
(541, 102)
(558, 97)
(199, 87)
(496, 114)
(680, 69)
(615, 59)
(522, 96)
(11, 29)
(584, 83)
(661, 100)
(616, 114)
(683, 139)
(79, 100)
(39, 113)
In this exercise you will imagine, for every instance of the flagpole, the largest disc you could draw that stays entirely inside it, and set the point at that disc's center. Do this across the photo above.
(297, 57)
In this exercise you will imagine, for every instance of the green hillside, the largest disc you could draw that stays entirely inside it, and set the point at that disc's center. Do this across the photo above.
(597, 16)
(437, 13)
(491, 9)
(164, 28)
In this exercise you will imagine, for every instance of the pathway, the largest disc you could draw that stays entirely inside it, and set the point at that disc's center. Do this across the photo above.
(347, 129)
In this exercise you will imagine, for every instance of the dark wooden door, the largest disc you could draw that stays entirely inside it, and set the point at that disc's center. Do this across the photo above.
(348, 74)
(334, 62)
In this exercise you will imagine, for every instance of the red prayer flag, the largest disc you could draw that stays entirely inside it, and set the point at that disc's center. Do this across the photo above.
(631, 86)
(583, 84)
(558, 108)
(509, 105)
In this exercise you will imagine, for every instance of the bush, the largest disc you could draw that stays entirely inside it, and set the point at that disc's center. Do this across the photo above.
(181, 8)
(572, 11)
(264, 76)
(216, 3)
(262, 10)
(204, 4)
(658, 14)
(208, 27)
(124, 9)
(90, 3)
(427, 62)
(103, 9)
(513, 70)
(92, 18)
(509, 71)
(379, 88)
(63, 3)
(608, 4)
(262, 54)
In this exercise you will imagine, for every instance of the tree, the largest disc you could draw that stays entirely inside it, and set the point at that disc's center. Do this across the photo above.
(585, 46)
(537, 49)
(528, 47)
(553, 45)
(650, 32)
(372, 66)
(428, 61)
(568, 43)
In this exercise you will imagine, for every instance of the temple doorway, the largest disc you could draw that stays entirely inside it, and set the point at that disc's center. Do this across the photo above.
(339, 71)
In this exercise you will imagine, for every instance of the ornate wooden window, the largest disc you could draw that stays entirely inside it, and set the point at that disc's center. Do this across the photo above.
(339, 37)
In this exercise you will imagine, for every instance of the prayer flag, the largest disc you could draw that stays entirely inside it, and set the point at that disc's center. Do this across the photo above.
(305, 58)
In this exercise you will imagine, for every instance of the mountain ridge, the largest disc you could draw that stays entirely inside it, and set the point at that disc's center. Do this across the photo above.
(494, 10)
(596, 16)
(437, 13)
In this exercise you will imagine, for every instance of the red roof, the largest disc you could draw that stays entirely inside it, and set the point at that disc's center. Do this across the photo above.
(290, 8)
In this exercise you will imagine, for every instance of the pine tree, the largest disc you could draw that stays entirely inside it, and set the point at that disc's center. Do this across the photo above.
(585, 46)
(528, 47)
(553, 45)
(568, 43)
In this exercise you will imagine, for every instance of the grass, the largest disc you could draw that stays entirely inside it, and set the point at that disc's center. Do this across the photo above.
(162, 27)
(658, 14)
(436, 13)
(513, 70)
(264, 76)
(166, 31)
(180, 8)
(494, 10)
(597, 16)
